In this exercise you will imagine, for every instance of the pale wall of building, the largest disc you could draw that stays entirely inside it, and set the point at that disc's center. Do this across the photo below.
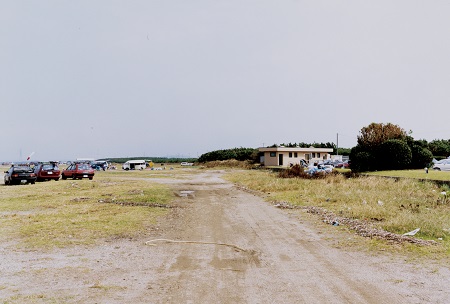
(293, 156)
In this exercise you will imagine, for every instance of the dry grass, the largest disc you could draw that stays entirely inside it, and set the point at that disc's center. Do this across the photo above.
(395, 206)
(231, 163)
(76, 212)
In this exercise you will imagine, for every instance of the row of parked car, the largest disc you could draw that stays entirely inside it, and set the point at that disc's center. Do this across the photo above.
(337, 163)
(24, 173)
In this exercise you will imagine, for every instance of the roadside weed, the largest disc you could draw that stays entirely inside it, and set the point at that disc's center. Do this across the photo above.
(397, 206)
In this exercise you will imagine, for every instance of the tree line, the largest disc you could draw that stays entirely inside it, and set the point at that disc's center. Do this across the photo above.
(240, 154)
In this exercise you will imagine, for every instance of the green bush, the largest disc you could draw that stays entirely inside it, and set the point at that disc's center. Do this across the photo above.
(394, 154)
(361, 160)
(388, 147)
(421, 157)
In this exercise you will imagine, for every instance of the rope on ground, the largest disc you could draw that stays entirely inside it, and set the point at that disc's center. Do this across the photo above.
(194, 242)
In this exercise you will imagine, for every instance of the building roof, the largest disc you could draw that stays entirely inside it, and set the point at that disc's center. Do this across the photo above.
(296, 149)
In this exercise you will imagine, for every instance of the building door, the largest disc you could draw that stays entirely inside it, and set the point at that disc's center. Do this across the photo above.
(280, 159)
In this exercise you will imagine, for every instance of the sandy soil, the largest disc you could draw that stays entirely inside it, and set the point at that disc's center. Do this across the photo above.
(232, 248)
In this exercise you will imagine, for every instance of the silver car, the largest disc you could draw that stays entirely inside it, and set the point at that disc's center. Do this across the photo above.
(443, 165)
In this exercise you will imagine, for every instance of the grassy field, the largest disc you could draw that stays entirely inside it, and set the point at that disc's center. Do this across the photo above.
(72, 212)
(396, 206)
(418, 174)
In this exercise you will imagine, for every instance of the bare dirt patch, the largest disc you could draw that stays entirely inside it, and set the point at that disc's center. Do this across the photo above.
(220, 245)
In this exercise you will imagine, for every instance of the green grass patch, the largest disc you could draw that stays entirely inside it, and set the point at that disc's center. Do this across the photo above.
(73, 212)
(417, 174)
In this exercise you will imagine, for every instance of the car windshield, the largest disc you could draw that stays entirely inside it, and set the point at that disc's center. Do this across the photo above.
(49, 167)
(22, 169)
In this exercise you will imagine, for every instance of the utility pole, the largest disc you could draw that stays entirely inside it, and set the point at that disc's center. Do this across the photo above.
(337, 144)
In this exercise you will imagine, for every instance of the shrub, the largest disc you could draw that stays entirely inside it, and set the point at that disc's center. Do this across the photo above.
(421, 157)
(299, 171)
(294, 171)
(395, 155)
(362, 160)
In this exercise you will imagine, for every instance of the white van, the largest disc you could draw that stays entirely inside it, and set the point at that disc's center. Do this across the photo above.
(138, 164)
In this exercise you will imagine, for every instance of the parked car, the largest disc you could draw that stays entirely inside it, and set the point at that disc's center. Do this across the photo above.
(328, 162)
(100, 165)
(47, 171)
(339, 164)
(20, 174)
(187, 164)
(443, 165)
(78, 170)
(311, 170)
(346, 164)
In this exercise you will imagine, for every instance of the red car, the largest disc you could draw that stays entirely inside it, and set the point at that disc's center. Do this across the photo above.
(47, 171)
(78, 170)
(345, 164)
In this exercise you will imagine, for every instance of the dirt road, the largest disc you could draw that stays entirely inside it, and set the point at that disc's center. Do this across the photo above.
(223, 245)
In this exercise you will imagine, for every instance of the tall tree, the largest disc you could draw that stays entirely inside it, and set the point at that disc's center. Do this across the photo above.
(375, 134)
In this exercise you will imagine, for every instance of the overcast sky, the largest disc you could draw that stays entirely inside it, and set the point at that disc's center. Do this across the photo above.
(104, 78)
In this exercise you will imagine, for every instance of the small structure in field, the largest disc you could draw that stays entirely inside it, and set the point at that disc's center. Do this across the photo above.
(286, 157)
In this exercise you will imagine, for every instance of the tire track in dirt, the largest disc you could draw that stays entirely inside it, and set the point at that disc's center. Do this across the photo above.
(293, 257)
(290, 261)
(284, 266)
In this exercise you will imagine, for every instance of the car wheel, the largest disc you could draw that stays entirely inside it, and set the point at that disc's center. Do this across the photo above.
(91, 178)
(64, 177)
(32, 182)
(437, 169)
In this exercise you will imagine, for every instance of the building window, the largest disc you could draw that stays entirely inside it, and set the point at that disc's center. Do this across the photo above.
(273, 154)
(290, 154)
(295, 154)
(318, 155)
(313, 155)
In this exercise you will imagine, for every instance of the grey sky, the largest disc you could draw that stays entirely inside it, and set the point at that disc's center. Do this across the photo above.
(181, 78)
